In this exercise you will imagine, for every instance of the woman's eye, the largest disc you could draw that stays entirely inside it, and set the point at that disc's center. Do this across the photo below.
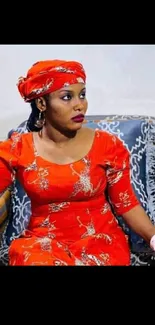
(66, 97)
(83, 95)
(69, 97)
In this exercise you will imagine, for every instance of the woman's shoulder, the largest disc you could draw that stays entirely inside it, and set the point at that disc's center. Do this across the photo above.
(16, 140)
(20, 136)
(106, 142)
(101, 135)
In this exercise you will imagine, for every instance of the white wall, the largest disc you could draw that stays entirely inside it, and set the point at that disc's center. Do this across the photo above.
(120, 78)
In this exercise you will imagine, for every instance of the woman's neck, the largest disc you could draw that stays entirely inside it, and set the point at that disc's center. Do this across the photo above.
(57, 136)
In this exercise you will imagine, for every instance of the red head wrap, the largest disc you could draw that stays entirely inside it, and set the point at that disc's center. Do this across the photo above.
(48, 76)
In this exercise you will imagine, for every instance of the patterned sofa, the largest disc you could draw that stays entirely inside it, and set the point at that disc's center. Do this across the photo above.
(138, 135)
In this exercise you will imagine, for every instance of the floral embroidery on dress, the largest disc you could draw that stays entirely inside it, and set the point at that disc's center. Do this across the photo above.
(87, 258)
(105, 258)
(65, 248)
(45, 243)
(124, 199)
(78, 262)
(42, 176)
(106, 237)
(94, 259)
(26, 255)
(106, 207)
(39, 263)
(113, 175)
(89, 227)
(42, 179)
(56, 207)
(59, 262)
(113, 179)
(47, 223)
(51, 227)
(13, 171)
(113, 220)
(84, 183)
(15, 139)
(31, 166)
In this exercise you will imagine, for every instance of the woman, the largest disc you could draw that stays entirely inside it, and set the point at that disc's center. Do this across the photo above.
(66, 170)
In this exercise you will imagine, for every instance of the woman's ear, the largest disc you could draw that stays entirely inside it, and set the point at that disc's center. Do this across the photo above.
(41, 104)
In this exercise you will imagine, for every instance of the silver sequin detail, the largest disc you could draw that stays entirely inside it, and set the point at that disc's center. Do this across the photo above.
(45, 243)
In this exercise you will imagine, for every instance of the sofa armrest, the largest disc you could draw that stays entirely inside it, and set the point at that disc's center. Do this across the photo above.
(4, 208)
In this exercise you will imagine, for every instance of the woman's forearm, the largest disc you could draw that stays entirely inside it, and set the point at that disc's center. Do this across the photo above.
(140, 223)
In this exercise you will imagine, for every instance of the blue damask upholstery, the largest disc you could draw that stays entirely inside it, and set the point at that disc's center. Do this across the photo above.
(138, 135)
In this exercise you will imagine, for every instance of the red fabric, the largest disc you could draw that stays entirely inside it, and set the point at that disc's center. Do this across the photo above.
(71, 222)
(48, 76)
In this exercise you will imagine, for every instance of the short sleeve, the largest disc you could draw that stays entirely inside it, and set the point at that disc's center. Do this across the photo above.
(117, 162)
(9, 153)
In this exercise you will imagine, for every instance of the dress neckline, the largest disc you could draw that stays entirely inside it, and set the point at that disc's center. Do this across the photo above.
(63, 165)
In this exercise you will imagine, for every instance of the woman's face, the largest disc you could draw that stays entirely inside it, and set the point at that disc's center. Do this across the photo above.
(66, 107)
